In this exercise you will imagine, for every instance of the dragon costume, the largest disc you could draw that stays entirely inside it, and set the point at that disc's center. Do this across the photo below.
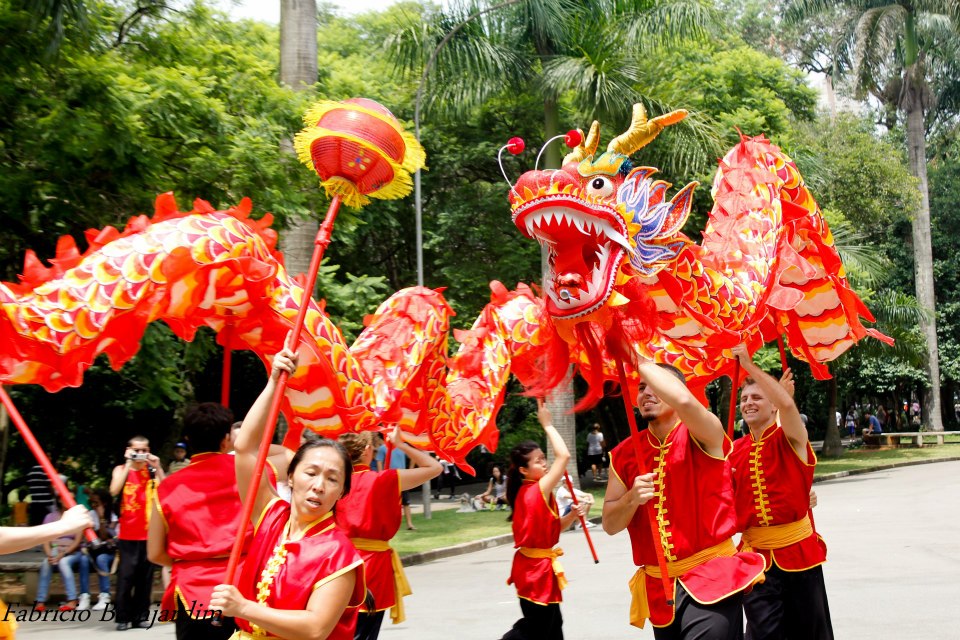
(621, 276)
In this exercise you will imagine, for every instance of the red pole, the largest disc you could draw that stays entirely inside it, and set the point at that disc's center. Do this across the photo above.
(65, 496)
(783, 354)
(651, 517)
(227, 366)
(320, 245)
(583, 523)
(733, 397)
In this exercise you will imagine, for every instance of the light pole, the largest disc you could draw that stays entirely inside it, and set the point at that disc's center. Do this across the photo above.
(417, 202)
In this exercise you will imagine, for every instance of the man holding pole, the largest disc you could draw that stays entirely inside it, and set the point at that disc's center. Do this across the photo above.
(772, 473)
(688, 487)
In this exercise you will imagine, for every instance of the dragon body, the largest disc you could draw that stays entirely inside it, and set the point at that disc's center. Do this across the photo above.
(220, 269)
(622, 279)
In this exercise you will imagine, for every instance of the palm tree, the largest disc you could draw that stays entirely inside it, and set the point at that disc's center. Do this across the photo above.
(895, 45)
(897, 315)
(587, 49)
(298, 70)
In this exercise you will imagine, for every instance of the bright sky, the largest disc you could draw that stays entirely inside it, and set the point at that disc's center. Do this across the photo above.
(269, 10)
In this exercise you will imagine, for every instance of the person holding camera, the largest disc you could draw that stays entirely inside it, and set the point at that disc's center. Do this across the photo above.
(135, 481)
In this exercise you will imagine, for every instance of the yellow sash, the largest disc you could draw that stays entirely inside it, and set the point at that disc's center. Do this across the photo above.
(8, 628)
(777, 536)
(400, 583)
(639, 609)
(554, 553)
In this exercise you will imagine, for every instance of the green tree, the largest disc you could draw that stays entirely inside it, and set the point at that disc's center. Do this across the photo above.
(895, 47)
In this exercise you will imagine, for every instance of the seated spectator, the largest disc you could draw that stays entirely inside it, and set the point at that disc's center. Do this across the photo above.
(102, 554)
(63, 553)
(874, 424)
(496, 494)
(565, 502)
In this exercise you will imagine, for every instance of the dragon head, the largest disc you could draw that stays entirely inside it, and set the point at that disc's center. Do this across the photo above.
(602, 221)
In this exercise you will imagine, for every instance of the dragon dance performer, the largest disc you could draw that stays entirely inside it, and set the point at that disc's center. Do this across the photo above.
(537, 524)
(772, 474)
(302, 577)
(370, 516)
(685, 448)
(193, 509)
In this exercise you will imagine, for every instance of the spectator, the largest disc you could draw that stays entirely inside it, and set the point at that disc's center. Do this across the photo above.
(448, 479)
(195, 516)
(62, 553)
(103, 554)
(851, 423)
(565, 502)
(41, 495)
(180, 459)
(380, 457)
(595, 448)
(398, 460)
(135, 482)
(496, 494)
(873, 424)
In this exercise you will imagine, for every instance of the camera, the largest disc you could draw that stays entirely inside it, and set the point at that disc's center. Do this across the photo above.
(138, 456)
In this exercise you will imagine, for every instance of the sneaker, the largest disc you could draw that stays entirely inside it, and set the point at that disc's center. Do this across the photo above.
(102, 601)
(39, 607)
(84, 602)
(68, 606)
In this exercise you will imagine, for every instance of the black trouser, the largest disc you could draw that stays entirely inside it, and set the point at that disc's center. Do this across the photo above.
(134, 581)
(722, 620)
(368, 625)
(539, 622)
(202, 628)
(789, 604)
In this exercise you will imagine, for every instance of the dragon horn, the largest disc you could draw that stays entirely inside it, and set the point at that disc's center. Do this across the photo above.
(586, 148)
(641, 131)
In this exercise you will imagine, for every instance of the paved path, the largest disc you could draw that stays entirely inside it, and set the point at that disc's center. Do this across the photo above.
(891, 572)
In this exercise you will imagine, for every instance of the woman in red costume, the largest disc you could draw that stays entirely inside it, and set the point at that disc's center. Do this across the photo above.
(370, 516)
(537, 524)
(302, 578)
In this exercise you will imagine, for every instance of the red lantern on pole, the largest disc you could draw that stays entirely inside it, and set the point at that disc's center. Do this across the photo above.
(360, 151)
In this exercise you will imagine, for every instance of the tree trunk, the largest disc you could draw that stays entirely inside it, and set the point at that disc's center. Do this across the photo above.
(560, 403)
(298, 70)
(832, 446)
(922, 248)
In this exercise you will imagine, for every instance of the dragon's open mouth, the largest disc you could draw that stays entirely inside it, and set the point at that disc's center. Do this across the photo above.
(585, 242)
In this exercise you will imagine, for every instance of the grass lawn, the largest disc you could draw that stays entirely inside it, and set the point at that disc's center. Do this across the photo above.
(448, 528)
(866, 458)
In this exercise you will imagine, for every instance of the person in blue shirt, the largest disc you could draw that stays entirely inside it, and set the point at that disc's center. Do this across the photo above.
(380, 455)
(874, 423)
(398, 460)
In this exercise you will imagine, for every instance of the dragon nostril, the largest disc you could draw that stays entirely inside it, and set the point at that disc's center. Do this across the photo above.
(569, 280)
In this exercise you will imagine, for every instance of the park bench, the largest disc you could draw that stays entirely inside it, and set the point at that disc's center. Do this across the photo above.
(905, 438)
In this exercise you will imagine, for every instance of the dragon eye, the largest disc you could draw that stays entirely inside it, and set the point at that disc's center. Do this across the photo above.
(600, 187)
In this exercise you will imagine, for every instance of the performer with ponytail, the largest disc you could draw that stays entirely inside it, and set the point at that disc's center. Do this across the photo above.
(370, 516)
(537, 524)
(302, 578)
